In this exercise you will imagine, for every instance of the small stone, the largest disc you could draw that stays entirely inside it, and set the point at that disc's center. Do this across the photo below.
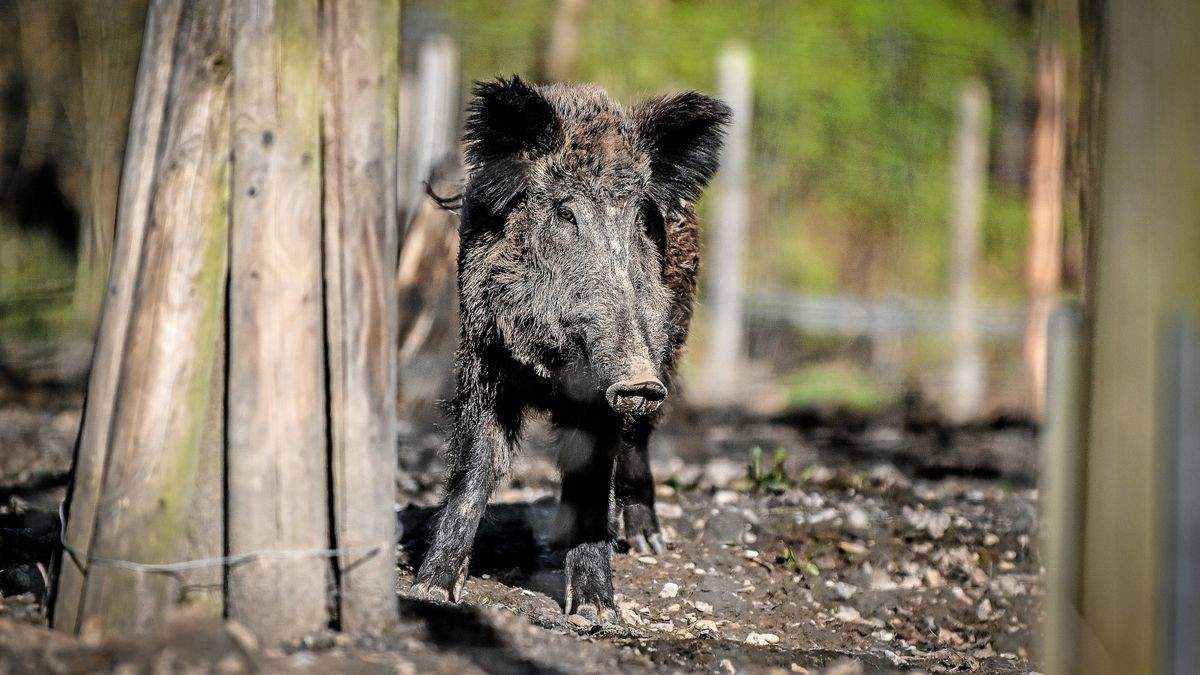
(631, 618)
(668, 511)
(750, 553)
(771, 638)
(847, 614)
(853, 548)
(857, 519)
(648, 560)
(727, 666)
(984, 610)
(705, 625)
(990, 539)
(576, 620)
(703, 606)
(933, 578)
(843, 590)
(757, 640)
(725, 497)
(669, 590)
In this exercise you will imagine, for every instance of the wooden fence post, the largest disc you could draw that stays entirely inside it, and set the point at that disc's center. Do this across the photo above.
(1145, 248)
(435, 118)
(727, 242)
(965, 393)
(277, 455)
(155, 442)
(302, 433)
(361, 52)
(146, 127)
(1044, 262)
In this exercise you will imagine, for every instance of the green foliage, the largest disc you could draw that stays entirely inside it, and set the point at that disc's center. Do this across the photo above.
(853, 117)
(837, 384)
(35, 287)
(758, 479)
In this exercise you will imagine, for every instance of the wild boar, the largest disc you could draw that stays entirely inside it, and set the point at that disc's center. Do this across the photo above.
(577, 275)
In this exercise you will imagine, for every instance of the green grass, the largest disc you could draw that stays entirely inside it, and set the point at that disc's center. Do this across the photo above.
(839, 385)
(36, 284)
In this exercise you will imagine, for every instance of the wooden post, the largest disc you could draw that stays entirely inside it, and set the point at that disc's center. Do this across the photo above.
(1146, 245)
(435, 123)
(1044, 262)
(965, 394)
(277, 435)
(1061, 467)
(728, 240)
(302, 433)
(361, 54)
(146, 128)
(1182, 586)
(155, 442)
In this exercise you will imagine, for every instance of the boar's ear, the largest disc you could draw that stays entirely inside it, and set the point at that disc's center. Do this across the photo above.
(509, 123)
(683, 134)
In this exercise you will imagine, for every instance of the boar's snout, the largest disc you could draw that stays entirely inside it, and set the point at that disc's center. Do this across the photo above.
(640, 394)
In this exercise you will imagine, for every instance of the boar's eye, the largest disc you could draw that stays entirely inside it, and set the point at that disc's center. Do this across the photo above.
(566, 214)
(655, 227)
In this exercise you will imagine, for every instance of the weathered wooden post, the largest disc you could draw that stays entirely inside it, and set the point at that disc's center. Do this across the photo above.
(151, 390)
(434, 124)
(727, 243)
(965, 393)
(1146, 263)
(1130, 596)
(361, 64)
(277, 427)
(1044, 261)
(238, 445)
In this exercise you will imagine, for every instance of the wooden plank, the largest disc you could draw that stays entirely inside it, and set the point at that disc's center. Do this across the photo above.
(1144, 275)
(166, 379)
(142, 157)
(277, 457)
(360, 52)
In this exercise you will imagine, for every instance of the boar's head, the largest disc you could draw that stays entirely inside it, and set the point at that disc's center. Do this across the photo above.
(564, 234)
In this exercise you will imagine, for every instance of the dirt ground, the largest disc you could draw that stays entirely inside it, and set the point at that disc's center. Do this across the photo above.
(858, 544)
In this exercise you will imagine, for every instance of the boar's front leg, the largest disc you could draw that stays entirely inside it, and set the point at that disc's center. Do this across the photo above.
(586, 459)
(634, 488)
(480, 452)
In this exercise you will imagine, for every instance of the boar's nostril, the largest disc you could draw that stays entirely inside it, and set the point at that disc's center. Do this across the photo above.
(636, 397)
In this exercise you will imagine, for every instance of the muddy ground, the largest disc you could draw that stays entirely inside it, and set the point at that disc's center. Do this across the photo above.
(876, 544)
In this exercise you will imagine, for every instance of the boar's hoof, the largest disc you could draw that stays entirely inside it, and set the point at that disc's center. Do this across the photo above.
(641, 529)
(640, 397)
(600, 615)
(429, 593)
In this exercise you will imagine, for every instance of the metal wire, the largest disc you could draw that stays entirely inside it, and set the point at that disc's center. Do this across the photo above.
(86, 560)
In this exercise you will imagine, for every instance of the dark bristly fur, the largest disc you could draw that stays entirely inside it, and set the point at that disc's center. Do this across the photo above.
(577, 274)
